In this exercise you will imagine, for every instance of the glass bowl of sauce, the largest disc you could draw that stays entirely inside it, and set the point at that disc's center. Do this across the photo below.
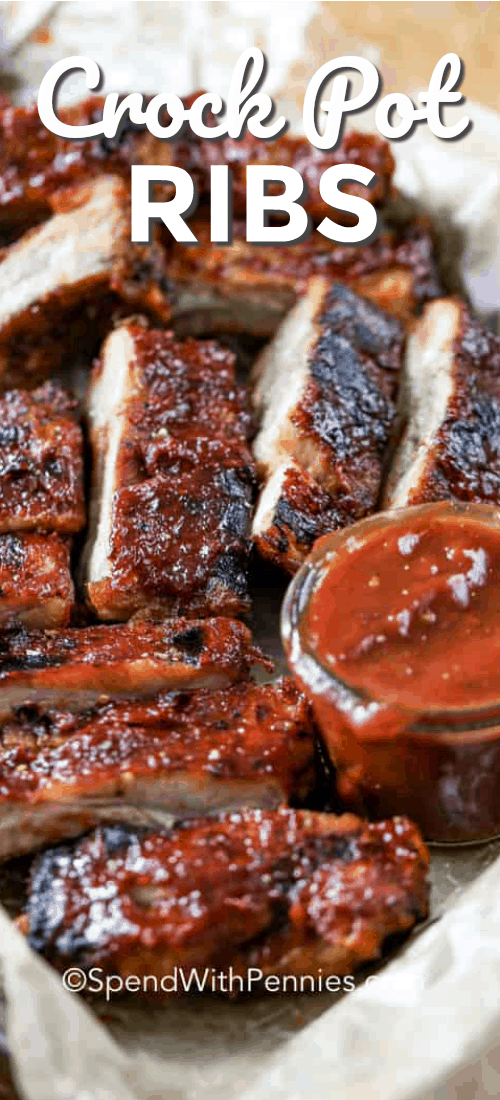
(392, 628)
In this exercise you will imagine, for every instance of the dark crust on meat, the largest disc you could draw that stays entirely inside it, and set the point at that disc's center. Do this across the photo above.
(180, 545)
(304, 512)
(348, 408)
(465, 460)
(181, 640)
(398, 271)
(248, 731)
(181, 519)
(74, 316)
(287, 891)
(35, 580)
(192, 395)
(41, 461)
(330, 446)
(35, 163)
(80, 666)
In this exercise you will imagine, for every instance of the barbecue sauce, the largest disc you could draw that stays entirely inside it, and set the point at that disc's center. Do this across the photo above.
(401, 617)
(411, 616)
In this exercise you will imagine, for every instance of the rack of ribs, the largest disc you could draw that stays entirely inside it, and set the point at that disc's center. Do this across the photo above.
(178, 753)
(61, 282)
(286, 892)
(41, 504)
(326, 388)
(246, 287)
(449, 412)
(173, 480)
(75, 668)
(35, 163)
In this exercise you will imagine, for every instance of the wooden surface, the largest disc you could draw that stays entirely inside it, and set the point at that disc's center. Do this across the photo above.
(406, 40)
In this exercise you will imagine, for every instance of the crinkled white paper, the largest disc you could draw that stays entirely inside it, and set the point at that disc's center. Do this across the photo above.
(429, 1024)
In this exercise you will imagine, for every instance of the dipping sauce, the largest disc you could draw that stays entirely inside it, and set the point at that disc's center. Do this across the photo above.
(393, 629)
(414, 613)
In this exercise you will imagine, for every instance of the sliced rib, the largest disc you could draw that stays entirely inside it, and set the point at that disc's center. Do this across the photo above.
(173, 479)
(449, 415)
(36, 587)
(76, 668)
(292, 512)
(36, 164)
(184, 754)
(60, 283)
(296, 152)
(292, 893)
(246, 287)
(41, 461)
(326, 388)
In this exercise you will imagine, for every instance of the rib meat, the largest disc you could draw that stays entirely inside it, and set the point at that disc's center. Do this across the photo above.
(295, 152)
(41, 462)
(292, 512)
(76, 668)
(60, 283)
(326, 387)
(41, 504)
(449, 417)
(173, 479)
(291, 893)
(181, 753)
(36, 588)
(249, 288)
(34, 163)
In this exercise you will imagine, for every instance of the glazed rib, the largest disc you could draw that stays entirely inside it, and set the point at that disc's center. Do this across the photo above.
(449, 415)
(292, 512)
(41, 504)
(173, 479)
(36, 588)
(326, 387)
(75, 668)
(247, 287)
(295, 152)
(288, 892)
(185, 754)
(61, 282)
(34, 163)
(41, 462)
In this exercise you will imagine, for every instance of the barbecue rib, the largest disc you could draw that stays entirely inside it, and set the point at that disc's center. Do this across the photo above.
(41, 504)
(60, 283)
(185, 753)
(449, 412)
(76, 668)
(291, 893)
(173, 479)
(249, 288)
(36, 588)
(293, 511)
(326, 386)
(41, 462)
(34, 163)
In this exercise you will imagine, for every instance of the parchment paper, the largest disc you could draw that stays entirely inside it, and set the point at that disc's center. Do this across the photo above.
(409, 1030)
